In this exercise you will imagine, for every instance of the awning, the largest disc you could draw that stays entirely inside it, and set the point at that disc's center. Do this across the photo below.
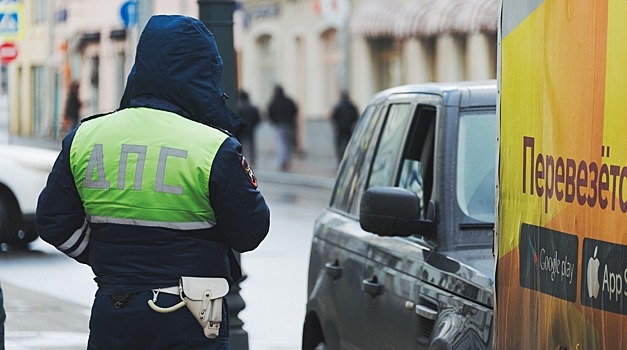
(424, 18)
(376, 18)
(477, 16)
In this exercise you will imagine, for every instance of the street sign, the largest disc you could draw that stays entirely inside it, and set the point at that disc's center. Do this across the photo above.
(8, 52)
(9, 23)
(11, 20)
(128, 13)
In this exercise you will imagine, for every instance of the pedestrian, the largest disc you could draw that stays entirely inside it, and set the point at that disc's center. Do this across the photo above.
(3, 317)
(344, 118)
(72, 107)
(156, 195)
(282, 112)
(250, 113)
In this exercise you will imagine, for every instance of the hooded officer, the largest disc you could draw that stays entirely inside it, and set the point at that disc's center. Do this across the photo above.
(156, 190)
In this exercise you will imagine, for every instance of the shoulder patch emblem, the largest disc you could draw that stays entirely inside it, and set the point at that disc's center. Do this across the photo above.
(248, 171)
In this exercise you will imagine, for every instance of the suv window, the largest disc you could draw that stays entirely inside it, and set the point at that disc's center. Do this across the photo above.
(417, 167)
(390, 145)
(475, 171)
(352, 175)
(410, 140)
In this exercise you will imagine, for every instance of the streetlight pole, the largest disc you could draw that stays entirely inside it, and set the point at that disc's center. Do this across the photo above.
(217, 15)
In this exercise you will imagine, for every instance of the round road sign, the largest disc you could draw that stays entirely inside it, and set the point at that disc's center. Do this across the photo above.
(128, 12)
(8, 52)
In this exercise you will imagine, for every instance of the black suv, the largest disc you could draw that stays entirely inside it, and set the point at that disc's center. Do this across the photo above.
(419, 174)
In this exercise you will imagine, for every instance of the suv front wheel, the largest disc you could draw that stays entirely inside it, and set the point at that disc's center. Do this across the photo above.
(313, 339)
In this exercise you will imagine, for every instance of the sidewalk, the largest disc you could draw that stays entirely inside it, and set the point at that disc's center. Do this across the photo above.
(36, 321)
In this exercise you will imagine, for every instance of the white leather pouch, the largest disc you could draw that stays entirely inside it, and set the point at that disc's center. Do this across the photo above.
(203, 297)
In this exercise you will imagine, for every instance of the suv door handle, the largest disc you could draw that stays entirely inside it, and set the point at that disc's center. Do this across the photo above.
(426, 312)
(333, 269)
(372, 286)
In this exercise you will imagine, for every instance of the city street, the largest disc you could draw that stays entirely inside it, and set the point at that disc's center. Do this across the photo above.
(451, 172)
(47, 295)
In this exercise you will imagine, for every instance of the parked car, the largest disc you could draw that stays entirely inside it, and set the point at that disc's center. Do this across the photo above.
(402, 257)
(23, 174)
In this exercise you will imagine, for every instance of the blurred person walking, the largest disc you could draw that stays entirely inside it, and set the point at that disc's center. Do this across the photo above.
(250, 113)
(156, 196)
(72, 107)
(282, 113)
(344, 118)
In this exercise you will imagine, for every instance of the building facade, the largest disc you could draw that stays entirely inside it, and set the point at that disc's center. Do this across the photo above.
(313, 48)
(89, 41)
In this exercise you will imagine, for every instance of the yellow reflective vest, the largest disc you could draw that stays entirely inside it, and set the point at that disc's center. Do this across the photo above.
(141, 166)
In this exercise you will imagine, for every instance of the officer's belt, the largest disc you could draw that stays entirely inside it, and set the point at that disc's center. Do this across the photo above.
(176, 290)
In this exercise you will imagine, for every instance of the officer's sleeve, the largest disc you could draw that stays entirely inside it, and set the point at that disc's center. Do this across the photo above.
(242, 215)
(60, 217)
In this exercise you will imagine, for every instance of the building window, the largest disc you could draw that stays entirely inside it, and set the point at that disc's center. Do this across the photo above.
(40, 10)
(92, 94)
(267, 67)
(38, 98)
(4, 74)
(331, 56)
(386, 54)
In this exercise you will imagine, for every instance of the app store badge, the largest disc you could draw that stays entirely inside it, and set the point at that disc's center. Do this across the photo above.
(548, 261)
(604, 276)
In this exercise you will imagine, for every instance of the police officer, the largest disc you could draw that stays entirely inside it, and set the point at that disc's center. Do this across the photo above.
(155, 191)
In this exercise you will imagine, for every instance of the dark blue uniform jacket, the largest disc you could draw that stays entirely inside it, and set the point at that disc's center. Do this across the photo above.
(177, 69)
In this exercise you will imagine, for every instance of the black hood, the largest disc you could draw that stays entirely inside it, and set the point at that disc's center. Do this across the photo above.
(178, 69)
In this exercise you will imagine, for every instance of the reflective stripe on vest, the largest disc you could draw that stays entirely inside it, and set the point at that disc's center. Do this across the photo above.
(147, 167)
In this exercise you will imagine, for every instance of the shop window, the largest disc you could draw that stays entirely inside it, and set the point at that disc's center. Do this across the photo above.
(386, 55)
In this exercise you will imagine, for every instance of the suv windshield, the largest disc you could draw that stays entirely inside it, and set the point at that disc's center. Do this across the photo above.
(476, 157)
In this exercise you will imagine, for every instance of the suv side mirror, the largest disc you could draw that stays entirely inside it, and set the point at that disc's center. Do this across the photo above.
(392, 211)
